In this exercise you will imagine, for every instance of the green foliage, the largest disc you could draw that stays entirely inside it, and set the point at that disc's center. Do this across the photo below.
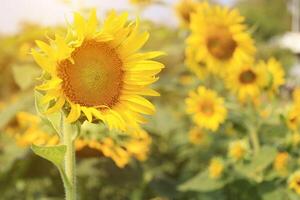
(28, 80)
(54, 154)
(202, 183)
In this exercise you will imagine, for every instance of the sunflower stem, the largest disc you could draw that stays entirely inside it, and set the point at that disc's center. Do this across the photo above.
(70, 163)
(255, 141)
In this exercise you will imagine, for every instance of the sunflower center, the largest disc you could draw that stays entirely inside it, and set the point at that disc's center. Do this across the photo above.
(298, 182)
(247, 77)
(207, 108)
(95, 76)
(220, 43)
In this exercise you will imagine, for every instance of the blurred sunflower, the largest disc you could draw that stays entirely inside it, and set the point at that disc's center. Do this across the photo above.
(219, 37)
(294, 182)
(238, 149)
(216, 168)
(28, 129)
(184, 9)
(140, 2)
(196, 135)
(276, 73)
(293, 118)
(296, 95)
(98, 73)
(246, 81)
(281, 162)
(207, 108)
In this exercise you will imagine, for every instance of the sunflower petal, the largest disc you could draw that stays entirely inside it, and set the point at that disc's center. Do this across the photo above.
(74, 113)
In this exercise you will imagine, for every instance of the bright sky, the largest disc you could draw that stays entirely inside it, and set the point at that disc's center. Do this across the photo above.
(52, 12)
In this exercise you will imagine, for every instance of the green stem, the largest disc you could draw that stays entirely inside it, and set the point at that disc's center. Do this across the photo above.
(255, 141)
(69, 165)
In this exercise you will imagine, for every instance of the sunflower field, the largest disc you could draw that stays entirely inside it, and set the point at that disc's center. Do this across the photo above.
(116, 106)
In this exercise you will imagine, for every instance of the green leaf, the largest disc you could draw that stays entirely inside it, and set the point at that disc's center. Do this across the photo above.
(258, 164)
(54, 154)
(202, 183)
(25, 75)
(53, 119)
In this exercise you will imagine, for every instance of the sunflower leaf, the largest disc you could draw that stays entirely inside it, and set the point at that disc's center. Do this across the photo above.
(54, 154)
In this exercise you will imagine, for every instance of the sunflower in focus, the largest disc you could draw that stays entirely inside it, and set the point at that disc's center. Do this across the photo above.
(246, 81)
(276, 73)
(97, 72)
(294, 182)
(184, 9)
(207, 108)
(219, 37)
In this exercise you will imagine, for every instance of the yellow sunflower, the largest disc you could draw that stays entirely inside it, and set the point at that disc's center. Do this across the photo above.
(216, 168)
(219, 37)
(294, 182)
(207, 108)
(281, 162)
(276, 73)
(197, 136)
(98, 73)
(238, 149)
(184, 9)
(293, 117)
(246, 81)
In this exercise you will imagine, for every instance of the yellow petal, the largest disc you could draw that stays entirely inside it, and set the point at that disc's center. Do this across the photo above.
(74, 113)
(57, 106)
(50, 95)
(51, 84)
(145, 56)
(140, 101)
(87, 113)
(45, 48)
(92, 23)
(43, 62)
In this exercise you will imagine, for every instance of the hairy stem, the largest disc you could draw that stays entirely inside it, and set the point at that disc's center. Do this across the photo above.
(69, 165)
(255, 141)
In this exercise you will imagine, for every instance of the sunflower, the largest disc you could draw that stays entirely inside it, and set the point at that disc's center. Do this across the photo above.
(207, 107)
(196, 136)
(293, 117)
(275, 71)
(98, 73)
(246, 81)
(294, 182)
(219, 37)
(216, 168)
(238, 149)
(184, 9)
(281, 162)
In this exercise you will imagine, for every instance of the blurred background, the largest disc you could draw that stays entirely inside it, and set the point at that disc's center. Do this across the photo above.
(172, 157)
